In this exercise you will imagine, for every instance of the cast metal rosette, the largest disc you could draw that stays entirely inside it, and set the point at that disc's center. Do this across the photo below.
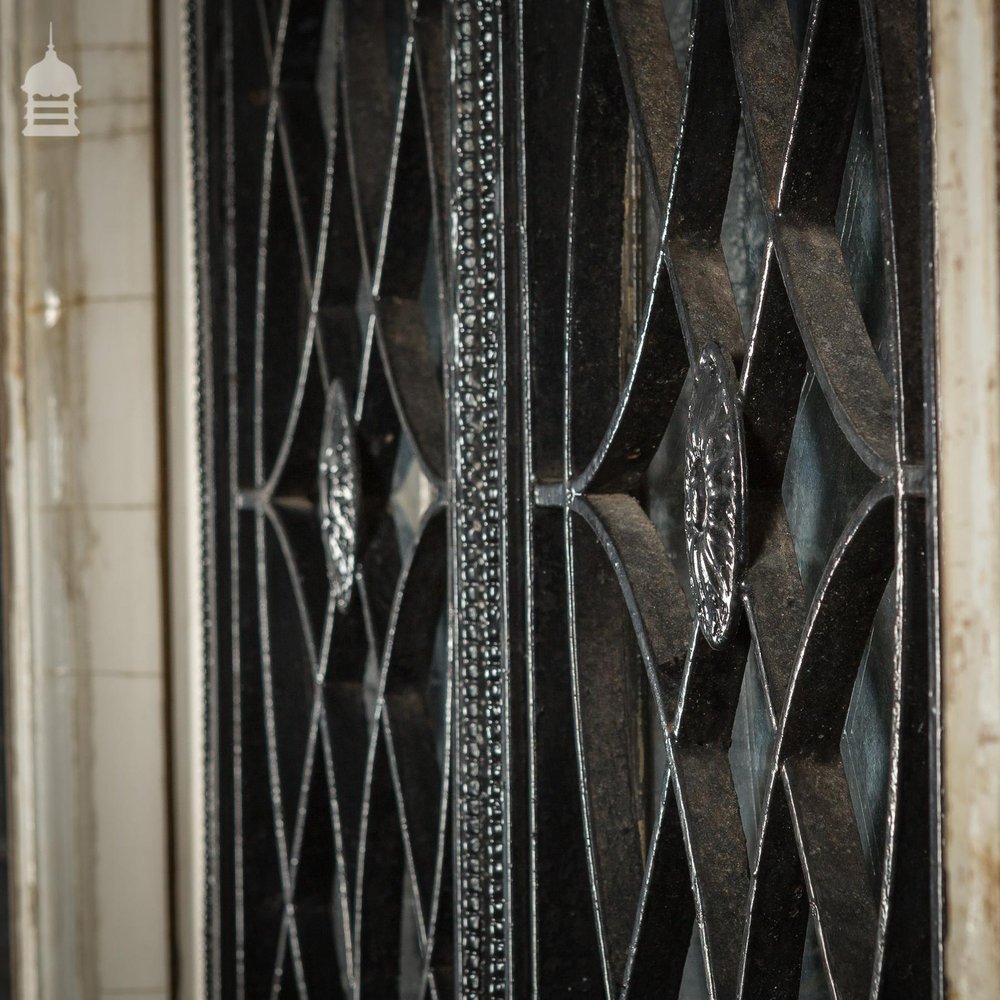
(338, 493)
(714, 494)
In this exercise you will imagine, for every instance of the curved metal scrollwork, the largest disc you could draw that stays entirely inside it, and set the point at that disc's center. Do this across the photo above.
(326, 156)
(566, 490)
(728, 846)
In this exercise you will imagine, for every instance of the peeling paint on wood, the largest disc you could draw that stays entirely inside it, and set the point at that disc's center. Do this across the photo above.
(964, 65)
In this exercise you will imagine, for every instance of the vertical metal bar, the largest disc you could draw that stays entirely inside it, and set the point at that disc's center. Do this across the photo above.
(478, 488)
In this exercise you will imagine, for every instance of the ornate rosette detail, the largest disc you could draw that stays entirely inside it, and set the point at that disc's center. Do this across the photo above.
(338, 494)
(714, 490)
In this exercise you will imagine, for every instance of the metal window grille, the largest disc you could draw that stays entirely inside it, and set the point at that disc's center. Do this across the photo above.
(568, 475)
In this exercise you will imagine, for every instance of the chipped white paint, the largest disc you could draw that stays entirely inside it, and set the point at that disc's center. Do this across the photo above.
(53, 308)
(19, 681)
(187, 664)
(968, 274)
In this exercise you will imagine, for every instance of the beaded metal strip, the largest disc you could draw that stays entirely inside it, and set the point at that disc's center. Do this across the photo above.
(477, 458)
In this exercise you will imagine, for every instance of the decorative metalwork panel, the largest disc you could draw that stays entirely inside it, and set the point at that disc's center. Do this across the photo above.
(568, 465)
(323, 144)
